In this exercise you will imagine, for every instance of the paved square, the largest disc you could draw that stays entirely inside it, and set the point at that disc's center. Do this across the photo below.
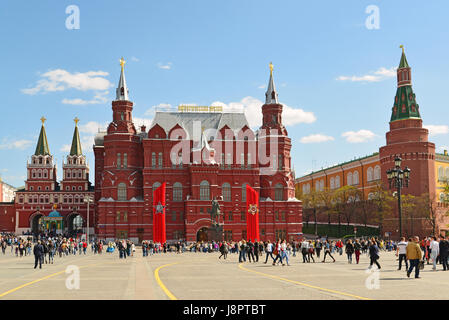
(204, 276)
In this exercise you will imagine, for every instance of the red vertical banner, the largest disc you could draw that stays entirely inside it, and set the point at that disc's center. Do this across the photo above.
(159, 214)
(252, 214)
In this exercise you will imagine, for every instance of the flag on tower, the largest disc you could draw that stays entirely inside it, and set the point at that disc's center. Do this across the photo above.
(252, 214)
(159, 214)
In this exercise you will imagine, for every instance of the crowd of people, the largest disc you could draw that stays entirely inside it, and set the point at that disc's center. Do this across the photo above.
(414, 253)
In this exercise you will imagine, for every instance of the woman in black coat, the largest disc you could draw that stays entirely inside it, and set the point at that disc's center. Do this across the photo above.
(374, 254)
(349, 250)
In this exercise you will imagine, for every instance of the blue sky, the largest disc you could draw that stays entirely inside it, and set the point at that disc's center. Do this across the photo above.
(334, 75)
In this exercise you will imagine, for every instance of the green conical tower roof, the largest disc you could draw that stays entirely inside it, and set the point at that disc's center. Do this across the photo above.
(75, 150)
(405, 105)
(403, 63)
(42, 148)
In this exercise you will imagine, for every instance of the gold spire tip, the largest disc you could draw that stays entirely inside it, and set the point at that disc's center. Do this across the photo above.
(76, 121)
(402, 47)
(122, 62)
(43, 120)
(271, 67)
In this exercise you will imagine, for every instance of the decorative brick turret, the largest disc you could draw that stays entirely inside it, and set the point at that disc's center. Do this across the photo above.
(408, 139)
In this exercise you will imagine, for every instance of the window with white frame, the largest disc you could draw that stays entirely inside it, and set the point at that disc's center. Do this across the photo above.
(204, 190)
(377, 173)
(177, 191)
(355, 178)
(226, 191)
(121, 192)
(369, 174)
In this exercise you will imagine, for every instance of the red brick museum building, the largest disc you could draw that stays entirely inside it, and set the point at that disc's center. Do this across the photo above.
(202, 153)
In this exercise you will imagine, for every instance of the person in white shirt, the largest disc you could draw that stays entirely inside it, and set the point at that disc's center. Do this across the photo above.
(269, 251)
(305, 251)
(434, 252)
(402, 250)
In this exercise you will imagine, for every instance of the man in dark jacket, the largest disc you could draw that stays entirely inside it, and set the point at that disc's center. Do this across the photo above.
(38, 251)
(250, 250)
(444, 252)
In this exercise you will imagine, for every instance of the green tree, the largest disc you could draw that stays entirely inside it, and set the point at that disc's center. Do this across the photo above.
(347, 198)
(328, 204)
(426, 207)
(310, 203)
(383, 203)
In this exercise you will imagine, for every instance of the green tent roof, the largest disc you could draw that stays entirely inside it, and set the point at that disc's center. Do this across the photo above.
(42, 148)
(403, 63)
(76, 144)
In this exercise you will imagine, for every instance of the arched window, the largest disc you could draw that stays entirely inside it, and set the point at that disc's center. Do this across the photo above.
(204, 190)
(177, 191)
(440, 173)
(244, 192)
(279, 192)
(121, 192)
(337, 182)
(156, 185)
(447, 173)
(349, 183)
(355, 178)
(226, 191)
(332, 183)
(369, 174)
(377, 173)
(321, 185)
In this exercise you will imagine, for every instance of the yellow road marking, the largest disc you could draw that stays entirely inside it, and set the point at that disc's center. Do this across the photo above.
(304, 284)
(161, 284)
(41, 279)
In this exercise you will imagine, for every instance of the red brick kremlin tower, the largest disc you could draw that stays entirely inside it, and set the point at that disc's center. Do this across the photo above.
(408, 139)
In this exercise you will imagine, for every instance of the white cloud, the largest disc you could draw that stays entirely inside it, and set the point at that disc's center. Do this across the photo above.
(262, 86)
(142, 121)
(374, 76)
(159, 107)
(358, 136)
(98, 99)
(92, 127)
(65, 148)
(252, 108)
(437, 129)
(17, 144)
(166, 66)
(316, 138)
(135, 59)
(60, 80)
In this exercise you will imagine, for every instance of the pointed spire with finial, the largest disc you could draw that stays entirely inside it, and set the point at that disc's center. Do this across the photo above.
(405, 104)
(403, 63)
(42, 148)
(271, 96)
(76, 143)
(122, 92)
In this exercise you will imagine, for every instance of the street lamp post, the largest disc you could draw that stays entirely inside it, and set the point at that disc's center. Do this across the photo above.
(87, 200)
(398, 178)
